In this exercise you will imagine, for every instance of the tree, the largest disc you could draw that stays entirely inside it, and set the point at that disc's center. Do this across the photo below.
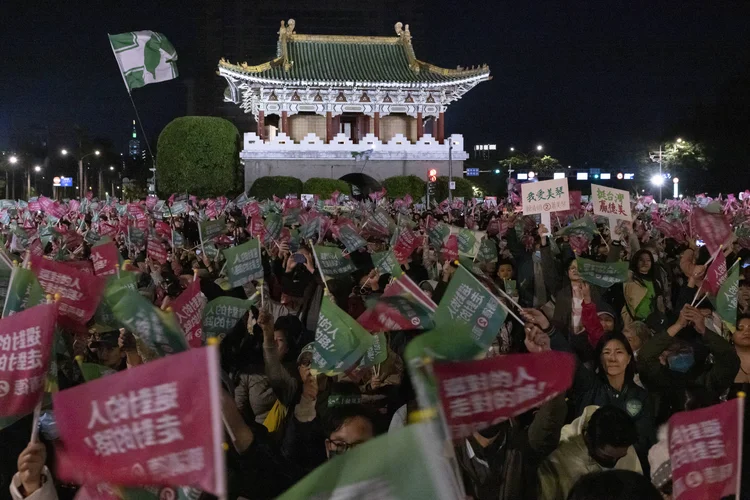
(463, 189)
(199, 155)
(539, 164)
(401, 185)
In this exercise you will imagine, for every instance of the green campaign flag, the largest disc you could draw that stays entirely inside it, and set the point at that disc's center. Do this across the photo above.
(137, 236)
(292, 217)
(244, 263)
(469, 310)
(340, 341)
(93, 371)
(584, 226)
(487, 251)
(144, 57)
(332, 262)
(382, 221)
(274, 224)
(408, 463)
(178, 240)
(157, 329)
(115, 288)
(386, 263)
(726, 300)
(466, 242)
(222, 314)
(377, 353)
(438, 235)
(211, 250)
(351, 239)
(91, 237)
(24, 291)
(210, 229)
(603, 274)
(310, 228)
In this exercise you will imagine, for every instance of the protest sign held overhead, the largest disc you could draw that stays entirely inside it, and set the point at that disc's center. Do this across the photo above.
(188, 308)
(244, 263)
(705, 448)
(157, 424)
(603, 274)
(545, 196)
(477, 394)
(610, 202)
(25, 349)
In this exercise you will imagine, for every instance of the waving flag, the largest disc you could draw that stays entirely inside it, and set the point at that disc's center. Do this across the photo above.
(144, 57)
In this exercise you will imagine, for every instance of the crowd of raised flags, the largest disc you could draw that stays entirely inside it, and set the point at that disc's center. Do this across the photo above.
(70, 269)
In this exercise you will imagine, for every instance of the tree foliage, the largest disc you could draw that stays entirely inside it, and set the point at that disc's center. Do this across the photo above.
(266, 188)
(401, 185)
(199, 155)
(463, 188)
(323, 187)
(539, 164)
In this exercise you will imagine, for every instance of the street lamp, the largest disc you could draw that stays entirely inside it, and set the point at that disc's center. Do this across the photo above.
(111, 167)
(679, 139)
(539, 147)
(512, 149)
(13, 160)
(657, 180)
(81, 178)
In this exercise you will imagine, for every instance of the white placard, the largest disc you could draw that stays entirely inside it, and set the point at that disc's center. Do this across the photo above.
(610, 202)
(545, 196)
(452, 185)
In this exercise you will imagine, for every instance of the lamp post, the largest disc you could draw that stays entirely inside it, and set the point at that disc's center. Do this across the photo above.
(81, 179)
(12, 160)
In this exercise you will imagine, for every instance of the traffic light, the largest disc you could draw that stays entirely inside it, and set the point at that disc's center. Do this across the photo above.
(432, 175)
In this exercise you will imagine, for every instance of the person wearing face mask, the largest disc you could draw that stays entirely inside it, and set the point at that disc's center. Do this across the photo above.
(501, 460)
(643, 291)
(677, 357)
(602, 445)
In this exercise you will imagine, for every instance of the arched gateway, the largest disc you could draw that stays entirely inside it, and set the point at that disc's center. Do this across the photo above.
(348, 105)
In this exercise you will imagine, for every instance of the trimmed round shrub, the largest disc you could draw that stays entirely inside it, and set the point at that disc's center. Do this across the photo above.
(401, 185)
(323, 187)
(199, 155)
(266, 188)
(463, 188)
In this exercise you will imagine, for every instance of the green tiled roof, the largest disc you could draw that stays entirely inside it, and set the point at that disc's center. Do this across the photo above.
(351, 59)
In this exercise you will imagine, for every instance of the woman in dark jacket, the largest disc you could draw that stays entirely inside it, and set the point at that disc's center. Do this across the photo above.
(611, 383)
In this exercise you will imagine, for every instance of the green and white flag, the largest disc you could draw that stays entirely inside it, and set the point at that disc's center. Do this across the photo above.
(144, 57)
(24, 291)
(387, 263)
(410, 464)
(351, 239)
(222, 314)
(726, 300)
(210, 229)
(340, 342)
(468, 319)
(243, 263)
(332, 262)
(603, 274)
(157, 329)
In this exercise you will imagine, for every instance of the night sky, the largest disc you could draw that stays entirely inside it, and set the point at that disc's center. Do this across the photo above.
(580, 77)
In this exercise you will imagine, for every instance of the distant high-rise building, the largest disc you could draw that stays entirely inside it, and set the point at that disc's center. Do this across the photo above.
(134, 145)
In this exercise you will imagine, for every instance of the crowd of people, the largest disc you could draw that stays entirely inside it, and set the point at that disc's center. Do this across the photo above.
(645, 348)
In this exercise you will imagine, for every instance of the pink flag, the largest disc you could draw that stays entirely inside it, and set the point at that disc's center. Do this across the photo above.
(705, 447)
(156, 251)
(105, 259)
(25, 347)
(713, 229)
(407, 242)
(477, 394)
(450, 248)
(716, 274)
(189, 310)
(80, 292)
(151, 202)
(158, 424)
